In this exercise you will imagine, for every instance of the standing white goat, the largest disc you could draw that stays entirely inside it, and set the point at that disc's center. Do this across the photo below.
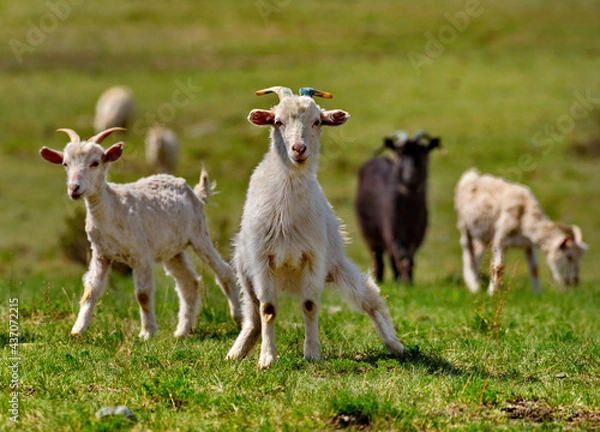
(162, 149)
(151, 220)
(290, 238)
(492, 210)
(115, 108)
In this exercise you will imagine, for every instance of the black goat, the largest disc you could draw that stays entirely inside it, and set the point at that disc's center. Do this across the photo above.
(391, 204)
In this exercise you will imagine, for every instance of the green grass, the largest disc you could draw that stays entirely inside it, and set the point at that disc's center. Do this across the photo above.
(474, 362)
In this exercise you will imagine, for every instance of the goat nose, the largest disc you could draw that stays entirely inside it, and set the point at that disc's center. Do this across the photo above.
(73, 188)
(299, 149)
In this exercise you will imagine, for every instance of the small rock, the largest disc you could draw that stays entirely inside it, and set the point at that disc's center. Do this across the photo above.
(562, 375)
(120, 410)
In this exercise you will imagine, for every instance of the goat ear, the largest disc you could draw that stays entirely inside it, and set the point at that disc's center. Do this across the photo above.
(566, 243)
(334, 117)
(261, 117)
(435, 142)
(52, 156)
(113, 153)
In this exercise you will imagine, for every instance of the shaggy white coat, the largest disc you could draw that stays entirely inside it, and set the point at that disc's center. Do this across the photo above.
(152, 220)
(492, 211)
(290, 239)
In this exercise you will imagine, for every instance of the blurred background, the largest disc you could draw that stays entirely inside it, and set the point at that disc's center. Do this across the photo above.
(512, 88)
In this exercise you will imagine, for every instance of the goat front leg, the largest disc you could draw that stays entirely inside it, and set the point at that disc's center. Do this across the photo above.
(94, 282)
(311, 299)
(496, 267)
(144, 292)
(470, 266)
(378, 266)
(266, 294)
(533, 269)
(268, 350)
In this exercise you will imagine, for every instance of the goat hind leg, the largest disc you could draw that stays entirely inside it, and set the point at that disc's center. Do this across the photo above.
(251, 325)
(188, 290)
(361, 291)
(224, 274)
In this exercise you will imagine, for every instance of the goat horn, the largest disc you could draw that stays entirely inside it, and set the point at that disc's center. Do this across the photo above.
(421, 134)
(401, 136)
(309, 91)
(282, 92)
(98, 138)
(72, 134)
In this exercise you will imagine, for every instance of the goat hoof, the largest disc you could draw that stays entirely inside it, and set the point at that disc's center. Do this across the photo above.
(396, 348)
(146, 334)
(266, 362)
(182, 331)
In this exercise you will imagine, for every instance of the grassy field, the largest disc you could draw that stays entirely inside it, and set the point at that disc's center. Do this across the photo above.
(511, 87)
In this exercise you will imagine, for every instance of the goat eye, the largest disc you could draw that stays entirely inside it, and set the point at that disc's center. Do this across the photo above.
(317, 123)
(278, 123)
(94, 164)
(65, 164)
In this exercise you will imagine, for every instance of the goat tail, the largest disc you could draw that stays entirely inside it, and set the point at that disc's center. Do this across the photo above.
(204, 189)
(468, 176)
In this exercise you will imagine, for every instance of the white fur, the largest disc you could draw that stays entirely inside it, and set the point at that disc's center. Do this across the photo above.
(290, 239)
(115, 108)
(162, 149)
(493, 211)
(152, 220)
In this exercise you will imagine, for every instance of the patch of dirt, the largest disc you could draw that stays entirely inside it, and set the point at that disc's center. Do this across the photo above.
(345, 420)
(528, 410)
(539, 412)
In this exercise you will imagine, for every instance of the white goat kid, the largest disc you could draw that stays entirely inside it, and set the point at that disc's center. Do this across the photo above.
(491, 210)
(290, 238)
(162, 149)
(151, 220)
(115, 108)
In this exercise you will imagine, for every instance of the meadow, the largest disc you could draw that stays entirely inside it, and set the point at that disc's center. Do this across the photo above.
(511, 87)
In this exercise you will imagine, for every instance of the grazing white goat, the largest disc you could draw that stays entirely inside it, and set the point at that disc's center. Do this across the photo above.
(115, 108)
(162, 149)
(493, 211)
(290, 239)
(151, 220)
